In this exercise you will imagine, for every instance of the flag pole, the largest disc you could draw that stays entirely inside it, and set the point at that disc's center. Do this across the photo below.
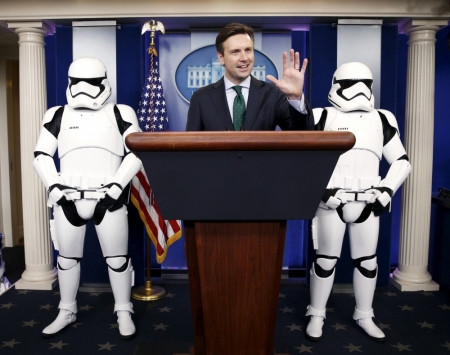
(148, 292)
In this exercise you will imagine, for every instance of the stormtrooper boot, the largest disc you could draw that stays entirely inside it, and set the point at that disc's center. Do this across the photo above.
(68, 287)
(121, 283)
(364, 288)
(320, 289)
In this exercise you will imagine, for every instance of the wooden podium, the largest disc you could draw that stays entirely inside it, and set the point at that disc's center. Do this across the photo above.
(235, 191)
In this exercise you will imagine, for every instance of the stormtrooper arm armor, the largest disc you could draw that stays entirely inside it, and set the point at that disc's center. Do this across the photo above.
(395, 154)
(131, 164)
(46, 147)
(400, 167)
(332, 197)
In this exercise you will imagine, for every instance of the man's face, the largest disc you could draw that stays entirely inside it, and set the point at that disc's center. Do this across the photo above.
(237, 58)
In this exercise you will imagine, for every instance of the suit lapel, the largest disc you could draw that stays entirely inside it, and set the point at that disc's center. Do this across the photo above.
(219, 100)
(254, 103)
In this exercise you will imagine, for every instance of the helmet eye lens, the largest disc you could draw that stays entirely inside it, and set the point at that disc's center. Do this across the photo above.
(347, 83)
(91, 81)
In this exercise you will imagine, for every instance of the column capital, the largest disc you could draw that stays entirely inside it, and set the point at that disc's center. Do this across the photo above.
(421, 25)
(35, 26)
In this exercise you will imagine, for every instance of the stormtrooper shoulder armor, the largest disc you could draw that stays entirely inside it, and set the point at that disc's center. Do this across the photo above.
(128, 115)
(323, 117)
(49, 116)
(51, 124)
(390, 119)
(126, 121)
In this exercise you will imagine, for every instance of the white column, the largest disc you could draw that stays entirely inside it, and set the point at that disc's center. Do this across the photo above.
(412, 273)
(39, 273)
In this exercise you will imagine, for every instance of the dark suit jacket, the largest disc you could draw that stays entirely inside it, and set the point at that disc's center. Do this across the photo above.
(267, 107)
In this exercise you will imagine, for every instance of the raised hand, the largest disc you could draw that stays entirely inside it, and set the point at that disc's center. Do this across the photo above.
(291, 83)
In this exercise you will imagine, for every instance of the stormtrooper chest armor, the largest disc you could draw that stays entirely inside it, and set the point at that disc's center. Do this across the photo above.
(90, 147)
(89, 129)
(357, 169)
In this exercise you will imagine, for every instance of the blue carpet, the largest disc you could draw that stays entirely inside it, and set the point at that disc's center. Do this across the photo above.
(414, 323)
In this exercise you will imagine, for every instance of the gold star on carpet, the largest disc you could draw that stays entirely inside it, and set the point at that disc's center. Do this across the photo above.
(57, 345)
(47, 306)
(444, 307)
(353, 348)
(391, 294)
(85, 308)
(426, 325)
(106, 346)
(304, 349)
(165, 309)
(29, 324)
(446, 345)
(23, 292)
(401, 347)
(384, 326)
(339, 326)
(406, 308)
(75, 325)
(294, 327)
(287, 310)
(7, 305)
(171, 295)
(160, 326)
(113, 326)
(10, 343)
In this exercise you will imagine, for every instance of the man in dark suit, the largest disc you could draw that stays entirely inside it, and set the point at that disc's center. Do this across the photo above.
(265, 106)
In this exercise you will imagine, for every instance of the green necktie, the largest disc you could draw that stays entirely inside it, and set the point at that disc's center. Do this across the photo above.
(238, 109)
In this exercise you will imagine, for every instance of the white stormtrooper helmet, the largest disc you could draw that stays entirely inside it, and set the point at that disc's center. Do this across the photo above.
(351, 88)
(88, 86)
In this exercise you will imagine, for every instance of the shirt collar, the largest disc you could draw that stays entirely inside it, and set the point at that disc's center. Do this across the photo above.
(244, 84)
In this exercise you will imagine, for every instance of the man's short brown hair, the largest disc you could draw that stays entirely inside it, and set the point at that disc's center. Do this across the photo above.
(233, 29)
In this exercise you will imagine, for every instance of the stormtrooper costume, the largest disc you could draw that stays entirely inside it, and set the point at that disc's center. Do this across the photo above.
(95, 169)
(4, 283)
(355, 196)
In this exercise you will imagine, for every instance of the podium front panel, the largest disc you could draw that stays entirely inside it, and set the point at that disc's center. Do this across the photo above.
(238, 185)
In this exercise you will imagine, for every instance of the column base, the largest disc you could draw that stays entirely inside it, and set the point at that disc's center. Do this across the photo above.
(40, 286)
(408, 287)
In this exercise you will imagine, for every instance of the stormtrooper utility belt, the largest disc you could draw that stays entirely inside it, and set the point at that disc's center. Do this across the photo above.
(86, 194)
(356, 196)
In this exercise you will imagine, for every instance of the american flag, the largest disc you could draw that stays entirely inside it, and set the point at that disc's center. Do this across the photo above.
(152, 117)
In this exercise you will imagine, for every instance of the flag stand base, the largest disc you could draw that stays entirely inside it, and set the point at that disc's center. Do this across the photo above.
(148, 292)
